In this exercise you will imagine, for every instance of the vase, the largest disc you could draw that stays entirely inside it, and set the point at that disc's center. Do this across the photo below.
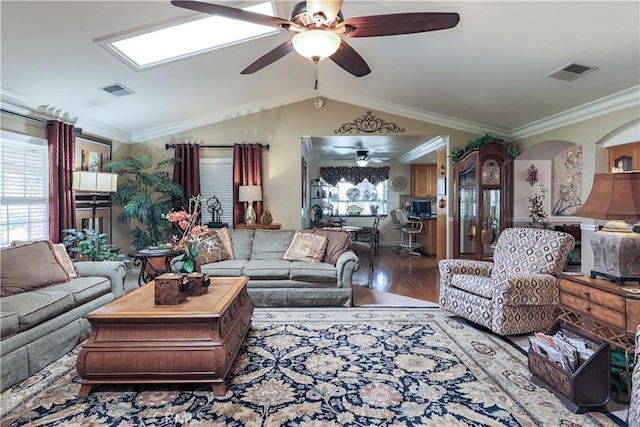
(266, 217)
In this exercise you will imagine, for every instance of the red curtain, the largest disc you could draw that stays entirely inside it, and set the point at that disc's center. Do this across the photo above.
(187, 171)
(247, 170)
(62, 205)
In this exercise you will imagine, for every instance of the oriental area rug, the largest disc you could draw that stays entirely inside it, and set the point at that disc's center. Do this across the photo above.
(324, 367)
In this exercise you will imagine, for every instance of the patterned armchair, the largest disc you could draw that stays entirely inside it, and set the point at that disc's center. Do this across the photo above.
(517, 292)
(634, 404)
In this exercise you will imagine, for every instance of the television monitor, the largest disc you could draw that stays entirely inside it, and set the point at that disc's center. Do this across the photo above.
(421, 207)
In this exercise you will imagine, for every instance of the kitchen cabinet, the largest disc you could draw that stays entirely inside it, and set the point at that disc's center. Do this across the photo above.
(424, 180)
(483, 200)
(625, 157)
(428, 237)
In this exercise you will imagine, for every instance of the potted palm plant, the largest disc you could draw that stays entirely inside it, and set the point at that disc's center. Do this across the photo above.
(147, 194)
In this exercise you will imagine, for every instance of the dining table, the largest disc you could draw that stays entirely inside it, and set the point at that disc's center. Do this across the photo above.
(354, 230)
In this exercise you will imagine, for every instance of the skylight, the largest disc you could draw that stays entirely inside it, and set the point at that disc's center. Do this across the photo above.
(181, 40)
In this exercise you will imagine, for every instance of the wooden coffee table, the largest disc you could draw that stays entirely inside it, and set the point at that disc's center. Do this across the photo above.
(135, 341)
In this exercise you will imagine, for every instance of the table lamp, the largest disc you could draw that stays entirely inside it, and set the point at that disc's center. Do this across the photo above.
(616, 248)
(250, 194)
(94, 183)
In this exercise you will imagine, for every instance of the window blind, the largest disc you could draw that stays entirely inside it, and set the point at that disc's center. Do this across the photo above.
(24, 188)
(216, 179)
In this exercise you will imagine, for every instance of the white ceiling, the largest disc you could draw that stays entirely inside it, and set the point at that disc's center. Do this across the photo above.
(487, 74)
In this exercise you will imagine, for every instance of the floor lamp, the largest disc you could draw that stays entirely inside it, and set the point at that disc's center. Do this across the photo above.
(94, 183)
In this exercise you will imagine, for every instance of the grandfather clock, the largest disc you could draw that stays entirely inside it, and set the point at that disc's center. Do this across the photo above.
(483, 200)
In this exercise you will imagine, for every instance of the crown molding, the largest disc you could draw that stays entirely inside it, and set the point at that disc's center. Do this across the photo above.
(609, 104)
(26, 106)
(218, 116)
(416, 114)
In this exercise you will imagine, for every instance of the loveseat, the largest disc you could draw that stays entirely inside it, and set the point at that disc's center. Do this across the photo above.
(42, 304)
(275, 280)
(634, 404)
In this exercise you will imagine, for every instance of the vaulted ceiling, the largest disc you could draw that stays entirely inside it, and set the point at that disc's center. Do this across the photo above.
(489, 72)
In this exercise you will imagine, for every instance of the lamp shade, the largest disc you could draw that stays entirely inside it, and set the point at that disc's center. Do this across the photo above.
(250, 193)
(362, 162)
(613, 196)
(316, 44)
(94, 182)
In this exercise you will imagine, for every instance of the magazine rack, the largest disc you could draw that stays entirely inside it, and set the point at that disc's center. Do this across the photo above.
(588, 386)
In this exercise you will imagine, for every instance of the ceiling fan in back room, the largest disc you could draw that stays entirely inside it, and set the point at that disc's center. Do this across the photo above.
(319, 29)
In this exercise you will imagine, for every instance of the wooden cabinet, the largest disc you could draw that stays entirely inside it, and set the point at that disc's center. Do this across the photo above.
(423, 180)
(625, 157)
(483, 200)
(428, 237)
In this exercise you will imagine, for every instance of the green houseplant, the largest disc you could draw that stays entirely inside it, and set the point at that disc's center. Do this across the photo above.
(90, 244)
(147, 194)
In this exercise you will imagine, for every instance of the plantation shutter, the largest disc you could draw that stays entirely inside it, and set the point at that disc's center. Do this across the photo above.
(24, 188)
(216, 179)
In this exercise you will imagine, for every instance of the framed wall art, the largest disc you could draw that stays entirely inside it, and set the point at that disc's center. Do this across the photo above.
(103, 219)
(92, 154)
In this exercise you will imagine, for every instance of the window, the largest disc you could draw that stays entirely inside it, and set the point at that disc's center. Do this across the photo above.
(363, 198)
(216, 179)
(24, 188)
(182, 40)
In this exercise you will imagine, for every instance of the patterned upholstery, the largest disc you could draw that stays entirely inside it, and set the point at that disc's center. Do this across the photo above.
(634, 405)
(516, 293)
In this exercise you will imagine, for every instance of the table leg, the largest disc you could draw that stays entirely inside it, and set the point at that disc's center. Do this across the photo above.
(142, 262)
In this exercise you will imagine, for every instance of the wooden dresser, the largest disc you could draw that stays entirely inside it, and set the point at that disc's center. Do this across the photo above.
(606, 310)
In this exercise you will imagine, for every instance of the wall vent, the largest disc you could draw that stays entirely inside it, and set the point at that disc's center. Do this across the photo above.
(116, 89)
(571, 71)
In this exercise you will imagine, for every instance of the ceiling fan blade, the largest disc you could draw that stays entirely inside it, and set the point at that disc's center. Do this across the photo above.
(269, 58)
(329, 8)
(400, 23)
(349, 60)
(233, 13)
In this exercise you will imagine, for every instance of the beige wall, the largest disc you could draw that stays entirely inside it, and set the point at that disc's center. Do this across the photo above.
(283, 128)
(591, 135)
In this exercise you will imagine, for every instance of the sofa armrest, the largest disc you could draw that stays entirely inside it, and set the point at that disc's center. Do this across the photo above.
(113, 270)
(530, 289)
(346, 265)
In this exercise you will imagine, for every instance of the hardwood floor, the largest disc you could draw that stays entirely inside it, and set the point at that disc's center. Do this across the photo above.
(415, 277)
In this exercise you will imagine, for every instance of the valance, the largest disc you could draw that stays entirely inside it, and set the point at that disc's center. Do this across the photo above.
(354, 174)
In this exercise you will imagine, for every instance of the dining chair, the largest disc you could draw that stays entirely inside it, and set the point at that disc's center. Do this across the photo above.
(367, 232)
(367, 246)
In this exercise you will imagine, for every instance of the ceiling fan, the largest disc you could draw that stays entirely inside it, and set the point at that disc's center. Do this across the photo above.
(320, 26)
(363, 158)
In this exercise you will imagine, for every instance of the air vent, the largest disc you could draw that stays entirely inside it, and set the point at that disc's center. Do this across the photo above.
(117, 89)
(571, 72)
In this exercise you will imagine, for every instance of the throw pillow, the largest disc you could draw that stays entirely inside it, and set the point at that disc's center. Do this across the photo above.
(29, 267)
(211, 249)
(60, 252)
(305, 247)
(225, 239)
(338, 242)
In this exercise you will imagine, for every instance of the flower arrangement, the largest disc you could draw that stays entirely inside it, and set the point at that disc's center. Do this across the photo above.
(187, 223)
(536, 211)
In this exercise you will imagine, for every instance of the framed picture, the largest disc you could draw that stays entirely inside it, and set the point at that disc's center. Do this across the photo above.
(442, 186)
(92, 154)
(103, 219)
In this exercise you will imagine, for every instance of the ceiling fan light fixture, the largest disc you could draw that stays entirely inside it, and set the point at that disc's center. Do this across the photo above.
(316, 44)
(362, 162)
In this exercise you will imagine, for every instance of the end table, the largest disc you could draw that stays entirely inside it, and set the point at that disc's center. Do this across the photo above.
(141, 258)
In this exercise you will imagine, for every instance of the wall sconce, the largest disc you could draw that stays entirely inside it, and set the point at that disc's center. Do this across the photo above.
(442, 170)
(532, 175)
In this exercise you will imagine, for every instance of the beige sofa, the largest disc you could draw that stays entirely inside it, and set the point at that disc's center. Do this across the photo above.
(42, 306)
(274, 281)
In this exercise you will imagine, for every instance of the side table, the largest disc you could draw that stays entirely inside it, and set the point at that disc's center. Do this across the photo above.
(606, 310)
(141, 258)
(260, 226)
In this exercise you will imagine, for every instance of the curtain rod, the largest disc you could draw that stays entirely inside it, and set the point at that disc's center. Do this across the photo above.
(167, 146)
(34, 119)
